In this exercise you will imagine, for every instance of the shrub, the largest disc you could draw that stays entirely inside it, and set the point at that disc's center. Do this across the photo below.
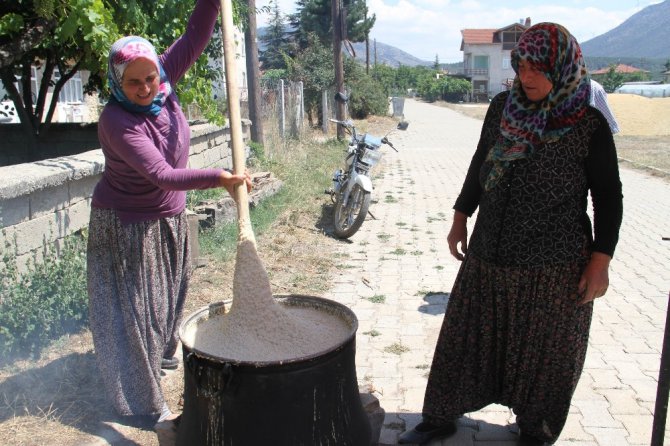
(47, 301)
(257, 153)
(367, 98)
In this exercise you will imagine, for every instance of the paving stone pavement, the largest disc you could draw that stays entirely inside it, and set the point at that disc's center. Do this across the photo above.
(401, 257)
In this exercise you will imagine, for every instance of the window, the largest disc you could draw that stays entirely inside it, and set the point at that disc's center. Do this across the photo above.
(481, 63)
(506, 63)
(33, 84)
(511, 37)
(72, 90)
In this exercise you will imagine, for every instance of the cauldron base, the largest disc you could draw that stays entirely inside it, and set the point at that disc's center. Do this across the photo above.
(310, 401)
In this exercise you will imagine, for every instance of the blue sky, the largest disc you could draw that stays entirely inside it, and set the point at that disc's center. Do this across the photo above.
(426, 28)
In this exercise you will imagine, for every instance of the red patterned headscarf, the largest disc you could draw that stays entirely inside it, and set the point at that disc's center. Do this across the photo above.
(550, 48)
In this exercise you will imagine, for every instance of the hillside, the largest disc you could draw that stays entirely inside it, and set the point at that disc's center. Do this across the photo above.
(644, 35)
(387, 54)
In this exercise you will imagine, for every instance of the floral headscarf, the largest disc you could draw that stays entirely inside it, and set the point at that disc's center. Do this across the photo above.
(550, 48)
(124, 51)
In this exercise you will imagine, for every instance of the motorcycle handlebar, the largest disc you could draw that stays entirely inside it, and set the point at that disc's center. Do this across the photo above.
(388, 143)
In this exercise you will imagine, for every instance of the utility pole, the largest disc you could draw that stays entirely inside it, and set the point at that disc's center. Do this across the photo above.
(367, 54)
(367, 45)
(375, 50)
(336, 14)
(253, 74)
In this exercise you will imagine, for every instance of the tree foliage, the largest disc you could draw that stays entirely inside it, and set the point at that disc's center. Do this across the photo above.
(56, 36)
(313, 17)
(614, 79)
(65, 36)
(314, 67)
(278, 45)
(432, 86)
(367, 95)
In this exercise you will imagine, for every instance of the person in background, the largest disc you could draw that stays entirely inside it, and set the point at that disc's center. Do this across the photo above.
(138, 247)
(599, 101)
(516, 326)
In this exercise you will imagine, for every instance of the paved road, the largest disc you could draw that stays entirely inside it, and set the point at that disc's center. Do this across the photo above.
(400, 257)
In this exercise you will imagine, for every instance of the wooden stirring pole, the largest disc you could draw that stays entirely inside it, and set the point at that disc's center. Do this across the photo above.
(235, 118)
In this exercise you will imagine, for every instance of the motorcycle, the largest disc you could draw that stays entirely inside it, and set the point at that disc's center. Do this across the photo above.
(351, 191)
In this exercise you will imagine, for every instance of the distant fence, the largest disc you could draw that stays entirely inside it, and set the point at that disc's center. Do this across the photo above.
(282, 108)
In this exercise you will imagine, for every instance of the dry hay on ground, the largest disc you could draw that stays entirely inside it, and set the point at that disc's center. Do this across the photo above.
(636, 115)
(641, 116)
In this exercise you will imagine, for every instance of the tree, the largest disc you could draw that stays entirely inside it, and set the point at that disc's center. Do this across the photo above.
(359, 24)
(436, 64)
(385, 76)
(314, 17)
(275, 40)
(611, 80)
(367, 94)
(55, 36)
(64, 36)
(253, 73)
(405, 78)
(314, 67)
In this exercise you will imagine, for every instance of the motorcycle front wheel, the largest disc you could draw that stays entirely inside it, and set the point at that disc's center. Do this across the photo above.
(350, 216)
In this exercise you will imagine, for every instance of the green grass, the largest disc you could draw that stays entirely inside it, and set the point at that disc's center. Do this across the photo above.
(305, 168)
(396, 348)
(384, 236)
(377, 299)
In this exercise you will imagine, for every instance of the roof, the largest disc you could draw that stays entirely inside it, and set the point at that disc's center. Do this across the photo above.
(487, 36)
(475, 36)
(620, 68)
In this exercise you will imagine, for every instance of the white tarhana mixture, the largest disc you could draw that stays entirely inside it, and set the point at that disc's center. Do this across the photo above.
(257, 328)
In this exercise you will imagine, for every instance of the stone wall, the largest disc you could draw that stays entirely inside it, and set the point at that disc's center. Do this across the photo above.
(43, 202)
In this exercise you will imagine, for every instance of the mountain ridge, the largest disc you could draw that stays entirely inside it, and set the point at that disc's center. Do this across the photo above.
(644, 34)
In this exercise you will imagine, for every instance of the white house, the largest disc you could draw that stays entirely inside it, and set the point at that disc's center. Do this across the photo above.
(486, 58)
(73, 105)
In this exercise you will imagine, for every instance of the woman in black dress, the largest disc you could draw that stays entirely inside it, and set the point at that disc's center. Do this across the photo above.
(517, 323)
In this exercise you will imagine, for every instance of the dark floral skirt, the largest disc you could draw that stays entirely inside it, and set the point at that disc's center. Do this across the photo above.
(137, 282)
(513, 336)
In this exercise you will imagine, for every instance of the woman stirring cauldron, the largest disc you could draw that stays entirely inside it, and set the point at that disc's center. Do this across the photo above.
(138, 251)
(516, 327)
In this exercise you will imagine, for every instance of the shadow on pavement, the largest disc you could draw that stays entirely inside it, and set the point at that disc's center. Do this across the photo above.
(436, 302)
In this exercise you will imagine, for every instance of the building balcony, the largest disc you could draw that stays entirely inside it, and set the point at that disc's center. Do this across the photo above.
(477, 72)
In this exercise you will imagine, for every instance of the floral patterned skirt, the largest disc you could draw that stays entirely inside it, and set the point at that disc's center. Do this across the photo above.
(513, 336)
(137, 283)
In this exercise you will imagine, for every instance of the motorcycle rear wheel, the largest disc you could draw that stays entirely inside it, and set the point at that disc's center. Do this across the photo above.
(349, 218)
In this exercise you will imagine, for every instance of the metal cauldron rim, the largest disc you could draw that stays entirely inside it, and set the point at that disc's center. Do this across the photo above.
(320, 301)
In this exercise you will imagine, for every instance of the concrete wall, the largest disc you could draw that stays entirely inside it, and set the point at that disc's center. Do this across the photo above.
(44, 201)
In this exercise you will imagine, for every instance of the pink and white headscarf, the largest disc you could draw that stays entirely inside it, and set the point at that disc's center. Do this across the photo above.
(124, 51)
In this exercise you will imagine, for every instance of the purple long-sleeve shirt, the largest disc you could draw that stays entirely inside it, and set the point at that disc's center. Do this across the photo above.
(146, 156)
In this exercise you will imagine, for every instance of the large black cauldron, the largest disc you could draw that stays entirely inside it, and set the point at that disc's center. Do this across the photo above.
(310, 401)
